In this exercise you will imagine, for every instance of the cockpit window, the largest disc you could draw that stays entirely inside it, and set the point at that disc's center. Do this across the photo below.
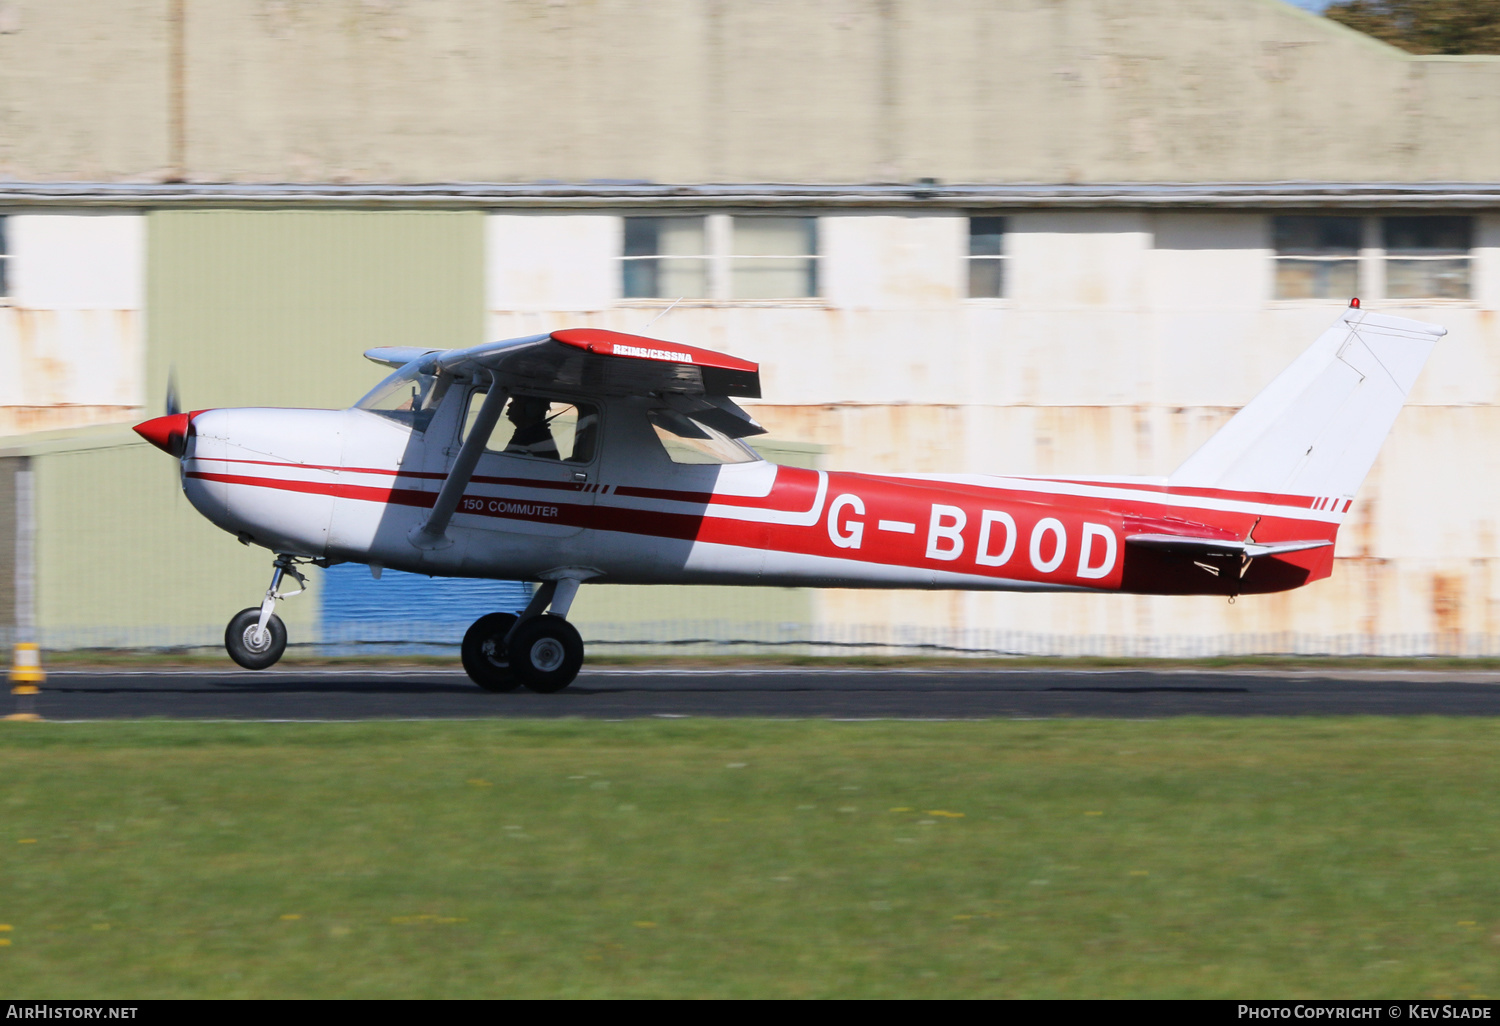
(408, 396)
(688, 441)
(539, 426)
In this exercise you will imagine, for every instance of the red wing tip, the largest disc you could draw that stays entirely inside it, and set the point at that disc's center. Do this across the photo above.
(615, 343)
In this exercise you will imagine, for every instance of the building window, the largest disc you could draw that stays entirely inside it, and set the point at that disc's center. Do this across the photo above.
(1427, 257)
(4, 263)
(1317, 257)
(665, 256)
(720, 257)
(986, 257)
(773, 258)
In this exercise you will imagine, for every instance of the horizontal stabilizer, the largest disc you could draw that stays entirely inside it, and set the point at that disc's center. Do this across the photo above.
(1219, 546)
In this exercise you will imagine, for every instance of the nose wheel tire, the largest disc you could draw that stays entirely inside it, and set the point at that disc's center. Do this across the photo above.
(250, 648)
(546, 653)
(484, 656)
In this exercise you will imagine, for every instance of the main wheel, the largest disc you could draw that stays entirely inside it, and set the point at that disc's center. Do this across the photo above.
(250, 651)
(484, 655)
(546, 653)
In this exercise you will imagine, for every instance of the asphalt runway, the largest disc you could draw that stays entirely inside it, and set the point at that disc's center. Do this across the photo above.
(618, 693)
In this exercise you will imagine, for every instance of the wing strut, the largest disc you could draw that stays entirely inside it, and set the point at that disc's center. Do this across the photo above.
(432, 532)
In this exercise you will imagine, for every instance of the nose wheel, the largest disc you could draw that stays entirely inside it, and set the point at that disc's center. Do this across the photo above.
(249, 645)
(256, 637)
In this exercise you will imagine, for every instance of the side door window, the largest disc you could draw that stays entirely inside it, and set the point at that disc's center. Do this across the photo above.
(539, 427)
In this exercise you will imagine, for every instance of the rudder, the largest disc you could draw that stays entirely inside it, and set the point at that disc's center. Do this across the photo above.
(1317, 428)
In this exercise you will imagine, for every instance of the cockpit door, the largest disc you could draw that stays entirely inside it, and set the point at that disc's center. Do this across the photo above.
(538, 472)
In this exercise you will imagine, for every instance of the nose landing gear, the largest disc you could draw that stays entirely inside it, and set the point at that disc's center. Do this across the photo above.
(538, 649)
(256, 637)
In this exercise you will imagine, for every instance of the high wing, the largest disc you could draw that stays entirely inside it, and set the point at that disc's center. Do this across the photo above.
(606, 363)
(696, 384)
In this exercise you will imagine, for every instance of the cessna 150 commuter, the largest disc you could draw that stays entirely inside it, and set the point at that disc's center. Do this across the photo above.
(588, 455)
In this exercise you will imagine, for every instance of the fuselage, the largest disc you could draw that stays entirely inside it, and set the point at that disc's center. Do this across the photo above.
(352, 485)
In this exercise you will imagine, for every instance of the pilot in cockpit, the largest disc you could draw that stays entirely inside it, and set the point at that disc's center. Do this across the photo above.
(533, 436)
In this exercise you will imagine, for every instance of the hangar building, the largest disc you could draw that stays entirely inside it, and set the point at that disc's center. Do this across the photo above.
(1029, 236)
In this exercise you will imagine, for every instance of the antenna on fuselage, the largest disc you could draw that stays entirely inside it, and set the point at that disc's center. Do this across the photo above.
(664, 312)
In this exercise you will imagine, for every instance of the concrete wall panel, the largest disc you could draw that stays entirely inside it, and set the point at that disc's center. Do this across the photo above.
(73, 337)
(78, 261)
(545, 262)
(708, 91)
(883, 263)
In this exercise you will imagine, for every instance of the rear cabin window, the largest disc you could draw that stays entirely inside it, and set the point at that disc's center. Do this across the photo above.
(688, 441)
(540, 427)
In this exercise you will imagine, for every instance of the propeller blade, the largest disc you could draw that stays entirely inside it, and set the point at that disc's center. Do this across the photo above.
(173, 406)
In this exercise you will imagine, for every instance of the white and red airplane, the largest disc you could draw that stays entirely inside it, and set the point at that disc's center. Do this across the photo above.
(591, 455)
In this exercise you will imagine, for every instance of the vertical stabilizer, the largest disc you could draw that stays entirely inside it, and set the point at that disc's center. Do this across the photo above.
(1317, 428)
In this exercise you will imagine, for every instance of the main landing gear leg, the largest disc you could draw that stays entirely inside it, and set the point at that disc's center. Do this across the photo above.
(541, 650)
(256, 637)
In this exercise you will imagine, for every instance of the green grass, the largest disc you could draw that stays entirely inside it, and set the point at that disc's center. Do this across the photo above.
(1188, 857)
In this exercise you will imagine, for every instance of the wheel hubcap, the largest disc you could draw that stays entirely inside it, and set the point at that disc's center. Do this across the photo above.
(547, 655)
(492, 651)
(255, 641)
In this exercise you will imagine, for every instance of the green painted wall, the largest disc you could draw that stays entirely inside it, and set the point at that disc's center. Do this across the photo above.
(122, 559)
(274, 308)
(249, 309)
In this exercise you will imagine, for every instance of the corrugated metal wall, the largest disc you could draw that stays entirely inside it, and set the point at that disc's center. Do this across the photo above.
(274, 308)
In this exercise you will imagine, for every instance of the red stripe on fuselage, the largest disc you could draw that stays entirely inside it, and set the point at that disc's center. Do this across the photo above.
(1044, 537)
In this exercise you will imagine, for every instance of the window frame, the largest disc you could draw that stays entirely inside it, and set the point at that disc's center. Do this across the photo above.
(1354, 257)
(718, 236)
(474, 391)
(1373, 260)
(1410, 256)
(7, 276)
(1001, 260)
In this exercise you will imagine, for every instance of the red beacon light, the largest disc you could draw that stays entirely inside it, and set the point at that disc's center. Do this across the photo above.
(1354, 303)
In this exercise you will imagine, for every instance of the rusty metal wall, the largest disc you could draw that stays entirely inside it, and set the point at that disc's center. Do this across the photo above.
(1125, 340)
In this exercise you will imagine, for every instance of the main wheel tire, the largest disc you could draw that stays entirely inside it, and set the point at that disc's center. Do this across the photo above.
(484, 656)
(546, 653)
(245, 648)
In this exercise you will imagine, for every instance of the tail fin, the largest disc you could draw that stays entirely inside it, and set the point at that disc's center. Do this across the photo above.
(1317, 428)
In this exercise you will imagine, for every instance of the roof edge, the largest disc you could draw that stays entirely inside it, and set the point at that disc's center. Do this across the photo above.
(921, 194)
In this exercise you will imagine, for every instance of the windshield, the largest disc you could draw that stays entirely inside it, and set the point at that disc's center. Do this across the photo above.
(409, 396)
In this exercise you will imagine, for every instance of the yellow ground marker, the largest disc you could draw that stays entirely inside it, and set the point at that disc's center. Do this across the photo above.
(25, 674)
